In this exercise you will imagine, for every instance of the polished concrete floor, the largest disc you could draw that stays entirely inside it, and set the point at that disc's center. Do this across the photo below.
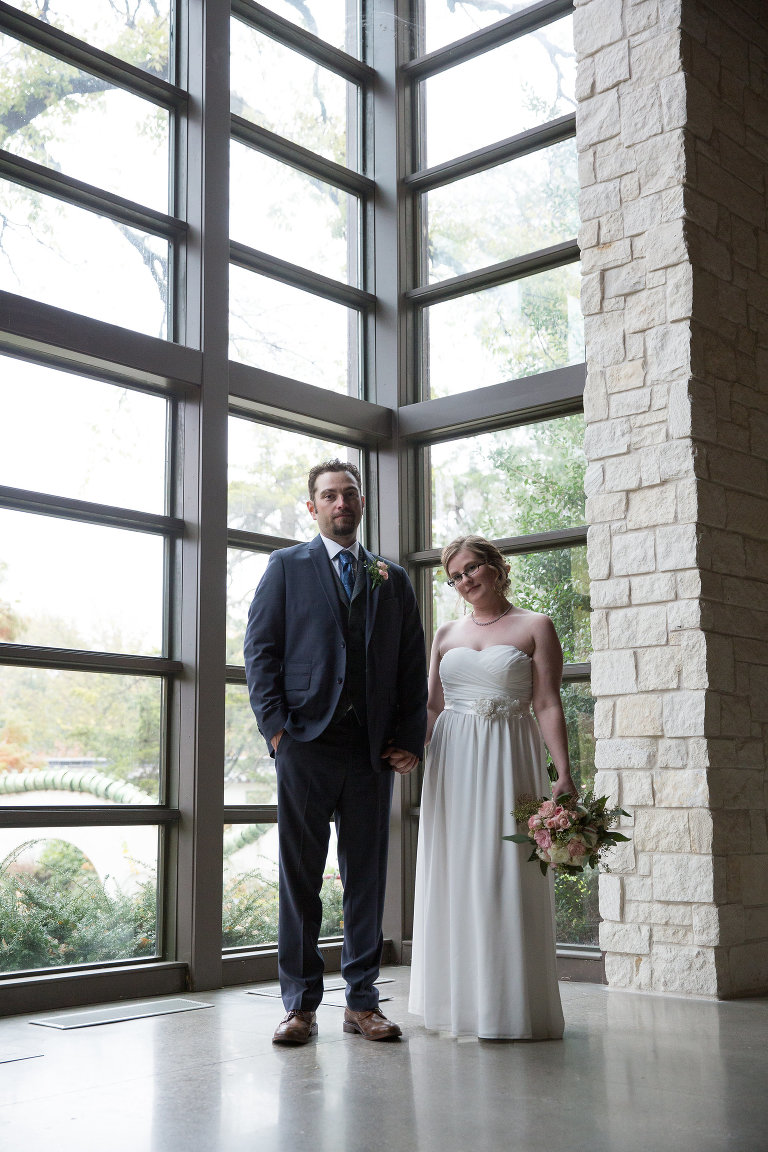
(650, 1073)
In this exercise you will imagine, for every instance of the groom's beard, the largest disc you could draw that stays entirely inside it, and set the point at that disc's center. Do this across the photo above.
(344, 525)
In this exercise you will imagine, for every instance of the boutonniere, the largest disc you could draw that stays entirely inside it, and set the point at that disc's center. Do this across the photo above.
(378, 572)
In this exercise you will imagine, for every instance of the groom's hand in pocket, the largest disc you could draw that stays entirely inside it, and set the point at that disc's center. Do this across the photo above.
(277, 738)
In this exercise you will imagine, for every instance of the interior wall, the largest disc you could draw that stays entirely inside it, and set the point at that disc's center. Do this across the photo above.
(671, 131)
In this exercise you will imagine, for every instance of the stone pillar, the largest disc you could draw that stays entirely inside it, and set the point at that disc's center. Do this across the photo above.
(672, 130)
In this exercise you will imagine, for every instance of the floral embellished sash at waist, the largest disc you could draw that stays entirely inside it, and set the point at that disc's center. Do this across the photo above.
(492, 707)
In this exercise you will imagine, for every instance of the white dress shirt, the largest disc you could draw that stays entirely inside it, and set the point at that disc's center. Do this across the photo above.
(333, 548)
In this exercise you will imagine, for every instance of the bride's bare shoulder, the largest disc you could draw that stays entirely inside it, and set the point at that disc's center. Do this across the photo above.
(537, 626)
(445, 634)
(533, 619)
(544, 635)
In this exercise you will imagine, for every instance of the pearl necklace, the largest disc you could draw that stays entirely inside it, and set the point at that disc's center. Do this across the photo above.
(487, 623)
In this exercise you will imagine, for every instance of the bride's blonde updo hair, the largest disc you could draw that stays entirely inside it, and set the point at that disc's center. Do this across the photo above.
(486, 552)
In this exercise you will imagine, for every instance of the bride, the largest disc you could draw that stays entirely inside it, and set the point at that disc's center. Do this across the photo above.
(483, 961)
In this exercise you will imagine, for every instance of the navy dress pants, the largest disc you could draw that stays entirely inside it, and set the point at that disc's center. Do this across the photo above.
(318, 781)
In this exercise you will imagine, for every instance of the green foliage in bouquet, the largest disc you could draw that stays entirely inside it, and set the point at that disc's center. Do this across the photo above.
(567, 834)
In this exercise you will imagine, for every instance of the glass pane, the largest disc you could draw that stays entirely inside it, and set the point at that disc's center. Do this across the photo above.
(244, 571)
(250, 886)
(291, 215)
(79, 737)
(576, 896)
(509, 483)
(291, 95)
(577, 915)
(505, 212)
(77, 896)
(449, 20)
(249, 770)
(515, 330)
(331, 22)
(579, 707)
(555, 582)
(500, 93)
(70, 436)
(82, 126)
(290, 332)
(139, 32)
(71, 585)
(74, 259)
(268, 469)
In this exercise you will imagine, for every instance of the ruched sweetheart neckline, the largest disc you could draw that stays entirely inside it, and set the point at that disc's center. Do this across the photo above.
(489, 648)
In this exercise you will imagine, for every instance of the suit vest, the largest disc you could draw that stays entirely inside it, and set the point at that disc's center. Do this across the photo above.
(353, 617)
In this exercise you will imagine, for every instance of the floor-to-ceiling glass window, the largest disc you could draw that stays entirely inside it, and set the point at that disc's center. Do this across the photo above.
(298, 201)
(234, 243)
(498, 348)
(88, 224)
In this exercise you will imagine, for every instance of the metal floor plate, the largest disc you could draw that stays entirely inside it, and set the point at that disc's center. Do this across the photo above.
(135, 1010)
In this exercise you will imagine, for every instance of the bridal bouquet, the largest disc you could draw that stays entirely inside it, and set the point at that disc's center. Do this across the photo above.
(567, 833)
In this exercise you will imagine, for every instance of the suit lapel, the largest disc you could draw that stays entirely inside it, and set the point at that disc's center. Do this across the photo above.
(361, 576)
(372, 594)
(325, 578)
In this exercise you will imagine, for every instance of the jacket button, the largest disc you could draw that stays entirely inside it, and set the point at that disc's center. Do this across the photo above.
(339, 680)
(343, 644)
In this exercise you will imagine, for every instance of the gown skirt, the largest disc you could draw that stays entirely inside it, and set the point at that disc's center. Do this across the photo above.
(483, 960)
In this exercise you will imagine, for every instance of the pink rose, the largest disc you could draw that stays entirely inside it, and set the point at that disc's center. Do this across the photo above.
(577, 850)
(542, 838)
(535, 821)
(562, 821)
(551, 823)
(548, 808)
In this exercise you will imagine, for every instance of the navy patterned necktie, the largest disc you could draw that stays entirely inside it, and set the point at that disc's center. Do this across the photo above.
(347, 571)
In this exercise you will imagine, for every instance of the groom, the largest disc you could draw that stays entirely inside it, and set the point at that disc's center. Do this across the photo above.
(336, 668)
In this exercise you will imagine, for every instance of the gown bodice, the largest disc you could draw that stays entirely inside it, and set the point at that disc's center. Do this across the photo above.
(495, 681)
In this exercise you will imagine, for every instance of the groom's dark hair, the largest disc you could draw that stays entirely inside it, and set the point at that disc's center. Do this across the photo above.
(332, 466)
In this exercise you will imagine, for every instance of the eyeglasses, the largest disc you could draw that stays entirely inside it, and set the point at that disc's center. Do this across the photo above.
(468, 571)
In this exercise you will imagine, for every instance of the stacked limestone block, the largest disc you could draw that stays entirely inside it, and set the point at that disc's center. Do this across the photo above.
(672, 130)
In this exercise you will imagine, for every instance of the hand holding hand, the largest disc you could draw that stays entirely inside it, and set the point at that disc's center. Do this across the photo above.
(403, 762)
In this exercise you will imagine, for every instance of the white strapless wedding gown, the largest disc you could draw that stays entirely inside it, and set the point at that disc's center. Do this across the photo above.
(483, 961)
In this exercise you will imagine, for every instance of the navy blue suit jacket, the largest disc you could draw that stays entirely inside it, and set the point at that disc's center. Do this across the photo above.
(295, 655)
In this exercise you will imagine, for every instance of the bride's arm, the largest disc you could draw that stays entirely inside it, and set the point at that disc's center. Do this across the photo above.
(547, 705)
(435, 699)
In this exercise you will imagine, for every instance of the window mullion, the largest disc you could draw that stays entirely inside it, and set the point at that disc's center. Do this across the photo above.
(199, 563)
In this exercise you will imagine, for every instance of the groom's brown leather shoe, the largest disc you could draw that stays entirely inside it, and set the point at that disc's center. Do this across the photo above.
(372, 1024)
(297, 1028)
